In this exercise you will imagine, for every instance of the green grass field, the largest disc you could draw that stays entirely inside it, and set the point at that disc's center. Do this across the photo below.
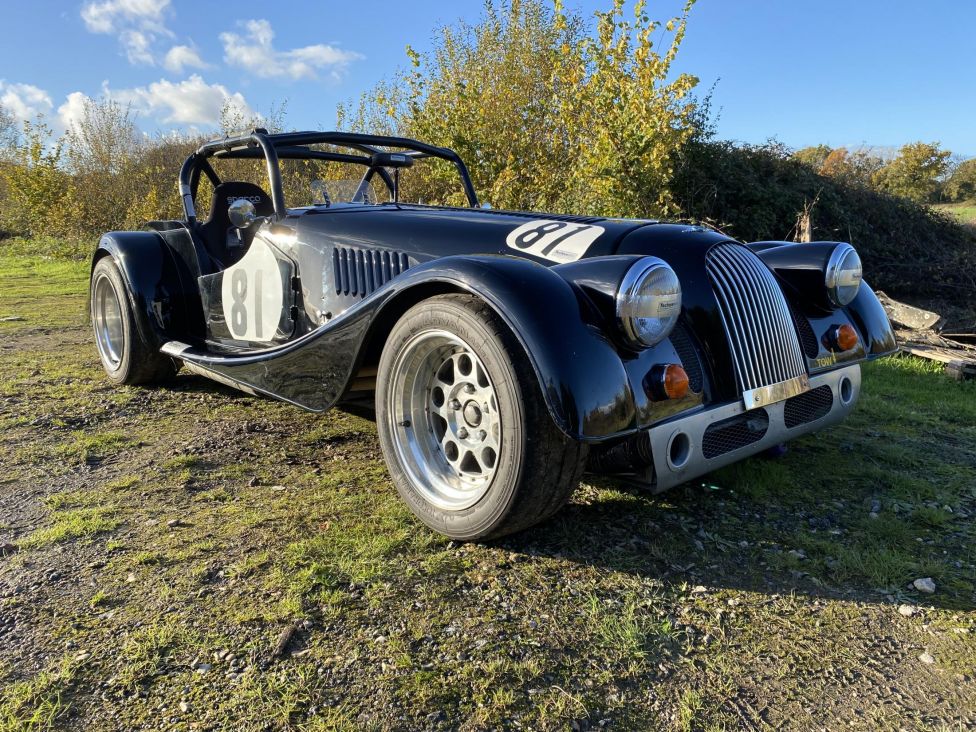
(168, 537)
(964, 212)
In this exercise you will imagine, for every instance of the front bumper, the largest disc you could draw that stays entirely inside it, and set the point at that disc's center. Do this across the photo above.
(686, 447)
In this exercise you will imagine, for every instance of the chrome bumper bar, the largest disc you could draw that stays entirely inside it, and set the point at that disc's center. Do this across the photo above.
(677, 445)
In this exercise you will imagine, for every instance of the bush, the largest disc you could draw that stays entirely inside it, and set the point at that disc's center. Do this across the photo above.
(549, 113)
(757, 192)
(99, 176)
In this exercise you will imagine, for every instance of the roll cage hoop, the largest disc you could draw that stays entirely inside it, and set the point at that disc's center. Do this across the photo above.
(258, 143)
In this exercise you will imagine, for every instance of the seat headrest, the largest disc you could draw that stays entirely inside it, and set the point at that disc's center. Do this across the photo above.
(226, 193)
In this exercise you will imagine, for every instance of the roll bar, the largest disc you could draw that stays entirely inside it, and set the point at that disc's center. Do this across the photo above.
(259, 143)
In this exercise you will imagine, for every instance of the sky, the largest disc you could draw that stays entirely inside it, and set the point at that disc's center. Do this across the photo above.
(803, 72)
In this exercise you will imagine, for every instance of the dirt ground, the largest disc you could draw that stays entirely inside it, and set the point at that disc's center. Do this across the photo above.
(188, 557)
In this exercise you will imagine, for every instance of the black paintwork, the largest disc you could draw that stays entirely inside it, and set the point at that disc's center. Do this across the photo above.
(563, 314)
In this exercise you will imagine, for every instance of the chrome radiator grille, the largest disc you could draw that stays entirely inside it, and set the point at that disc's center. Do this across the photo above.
(762, 337)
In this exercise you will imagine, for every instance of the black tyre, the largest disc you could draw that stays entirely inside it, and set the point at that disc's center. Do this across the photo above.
(463, 425)
(126, 355)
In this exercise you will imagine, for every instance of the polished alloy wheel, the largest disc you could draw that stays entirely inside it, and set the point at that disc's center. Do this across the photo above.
(107, 321)
(444, 419)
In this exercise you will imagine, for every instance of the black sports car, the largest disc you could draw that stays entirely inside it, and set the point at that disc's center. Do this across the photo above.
(503, 353)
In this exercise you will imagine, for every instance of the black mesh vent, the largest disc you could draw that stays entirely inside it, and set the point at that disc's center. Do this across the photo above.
(688, 354)
(358, 272)
(807, 407)
(735, 432)
(808, 340)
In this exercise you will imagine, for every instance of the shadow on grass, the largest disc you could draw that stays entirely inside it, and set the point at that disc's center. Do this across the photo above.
(718, 536)
(857, 511)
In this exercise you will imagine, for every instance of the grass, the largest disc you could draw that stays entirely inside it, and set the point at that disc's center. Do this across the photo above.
(36, 704)
(47, 247)
(764, 596)
(87, 447)
(81, 523)
(42, 292)
(147, 650)
(964, 212)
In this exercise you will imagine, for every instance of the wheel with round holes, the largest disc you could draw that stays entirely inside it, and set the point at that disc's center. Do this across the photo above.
(465, 433)
(126, 355)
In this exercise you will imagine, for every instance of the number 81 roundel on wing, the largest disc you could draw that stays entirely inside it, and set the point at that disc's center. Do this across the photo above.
(252, 295)
(557, 241)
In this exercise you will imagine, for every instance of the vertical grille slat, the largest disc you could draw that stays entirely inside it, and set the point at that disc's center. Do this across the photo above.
(735, 329)
(744, 293)
(762, 336)
(778, 338)
(357, 258)
(342, 283)
(360, 272)
(766, 305)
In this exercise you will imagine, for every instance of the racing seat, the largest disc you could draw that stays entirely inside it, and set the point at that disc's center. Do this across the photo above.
(226, 244)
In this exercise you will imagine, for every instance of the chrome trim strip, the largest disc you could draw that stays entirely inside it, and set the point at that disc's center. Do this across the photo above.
(775, 392)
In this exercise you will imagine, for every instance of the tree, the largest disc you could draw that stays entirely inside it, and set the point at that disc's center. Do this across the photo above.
(9, 133)
(814, 156)
(961, 185)
(102, 148)
(549, 113)
(915, 173)
(35, 183)
(851, 167)
(103, 140)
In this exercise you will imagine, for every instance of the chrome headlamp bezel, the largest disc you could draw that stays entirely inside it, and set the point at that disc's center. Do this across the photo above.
(839, 292)
(634, 332)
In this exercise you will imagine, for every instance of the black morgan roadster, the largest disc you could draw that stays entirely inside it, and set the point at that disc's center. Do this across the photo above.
(502, 353)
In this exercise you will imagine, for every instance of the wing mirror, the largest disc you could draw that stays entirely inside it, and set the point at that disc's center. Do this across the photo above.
(242, 213)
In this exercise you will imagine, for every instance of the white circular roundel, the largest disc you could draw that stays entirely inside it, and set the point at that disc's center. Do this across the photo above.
(557, 241)
(252, 294)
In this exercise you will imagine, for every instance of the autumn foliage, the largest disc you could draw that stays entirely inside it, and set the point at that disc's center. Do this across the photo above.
(552, 111)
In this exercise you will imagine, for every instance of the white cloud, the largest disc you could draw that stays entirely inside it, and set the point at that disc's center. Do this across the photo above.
(254, 51)
(24, 101)
(73, 110)
(110, 16)
(189, 102)
(181, 57)
(137, 47)
(138, 23)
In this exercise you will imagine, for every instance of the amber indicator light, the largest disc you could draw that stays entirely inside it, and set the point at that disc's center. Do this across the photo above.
(675, 381)
(845, 337)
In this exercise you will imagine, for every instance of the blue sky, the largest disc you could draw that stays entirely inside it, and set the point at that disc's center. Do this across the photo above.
(848, 73)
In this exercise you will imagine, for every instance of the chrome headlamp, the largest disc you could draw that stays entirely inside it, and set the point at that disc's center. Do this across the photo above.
(648, 302)
(842, 277)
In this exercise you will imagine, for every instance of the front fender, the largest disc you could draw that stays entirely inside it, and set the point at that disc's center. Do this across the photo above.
(802, 265)
(870, 317)
(582, 378)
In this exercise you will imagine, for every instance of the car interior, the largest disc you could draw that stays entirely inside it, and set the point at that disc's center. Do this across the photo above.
(225, 243)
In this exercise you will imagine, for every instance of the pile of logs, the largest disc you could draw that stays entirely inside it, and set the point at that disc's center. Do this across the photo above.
(919, 333)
